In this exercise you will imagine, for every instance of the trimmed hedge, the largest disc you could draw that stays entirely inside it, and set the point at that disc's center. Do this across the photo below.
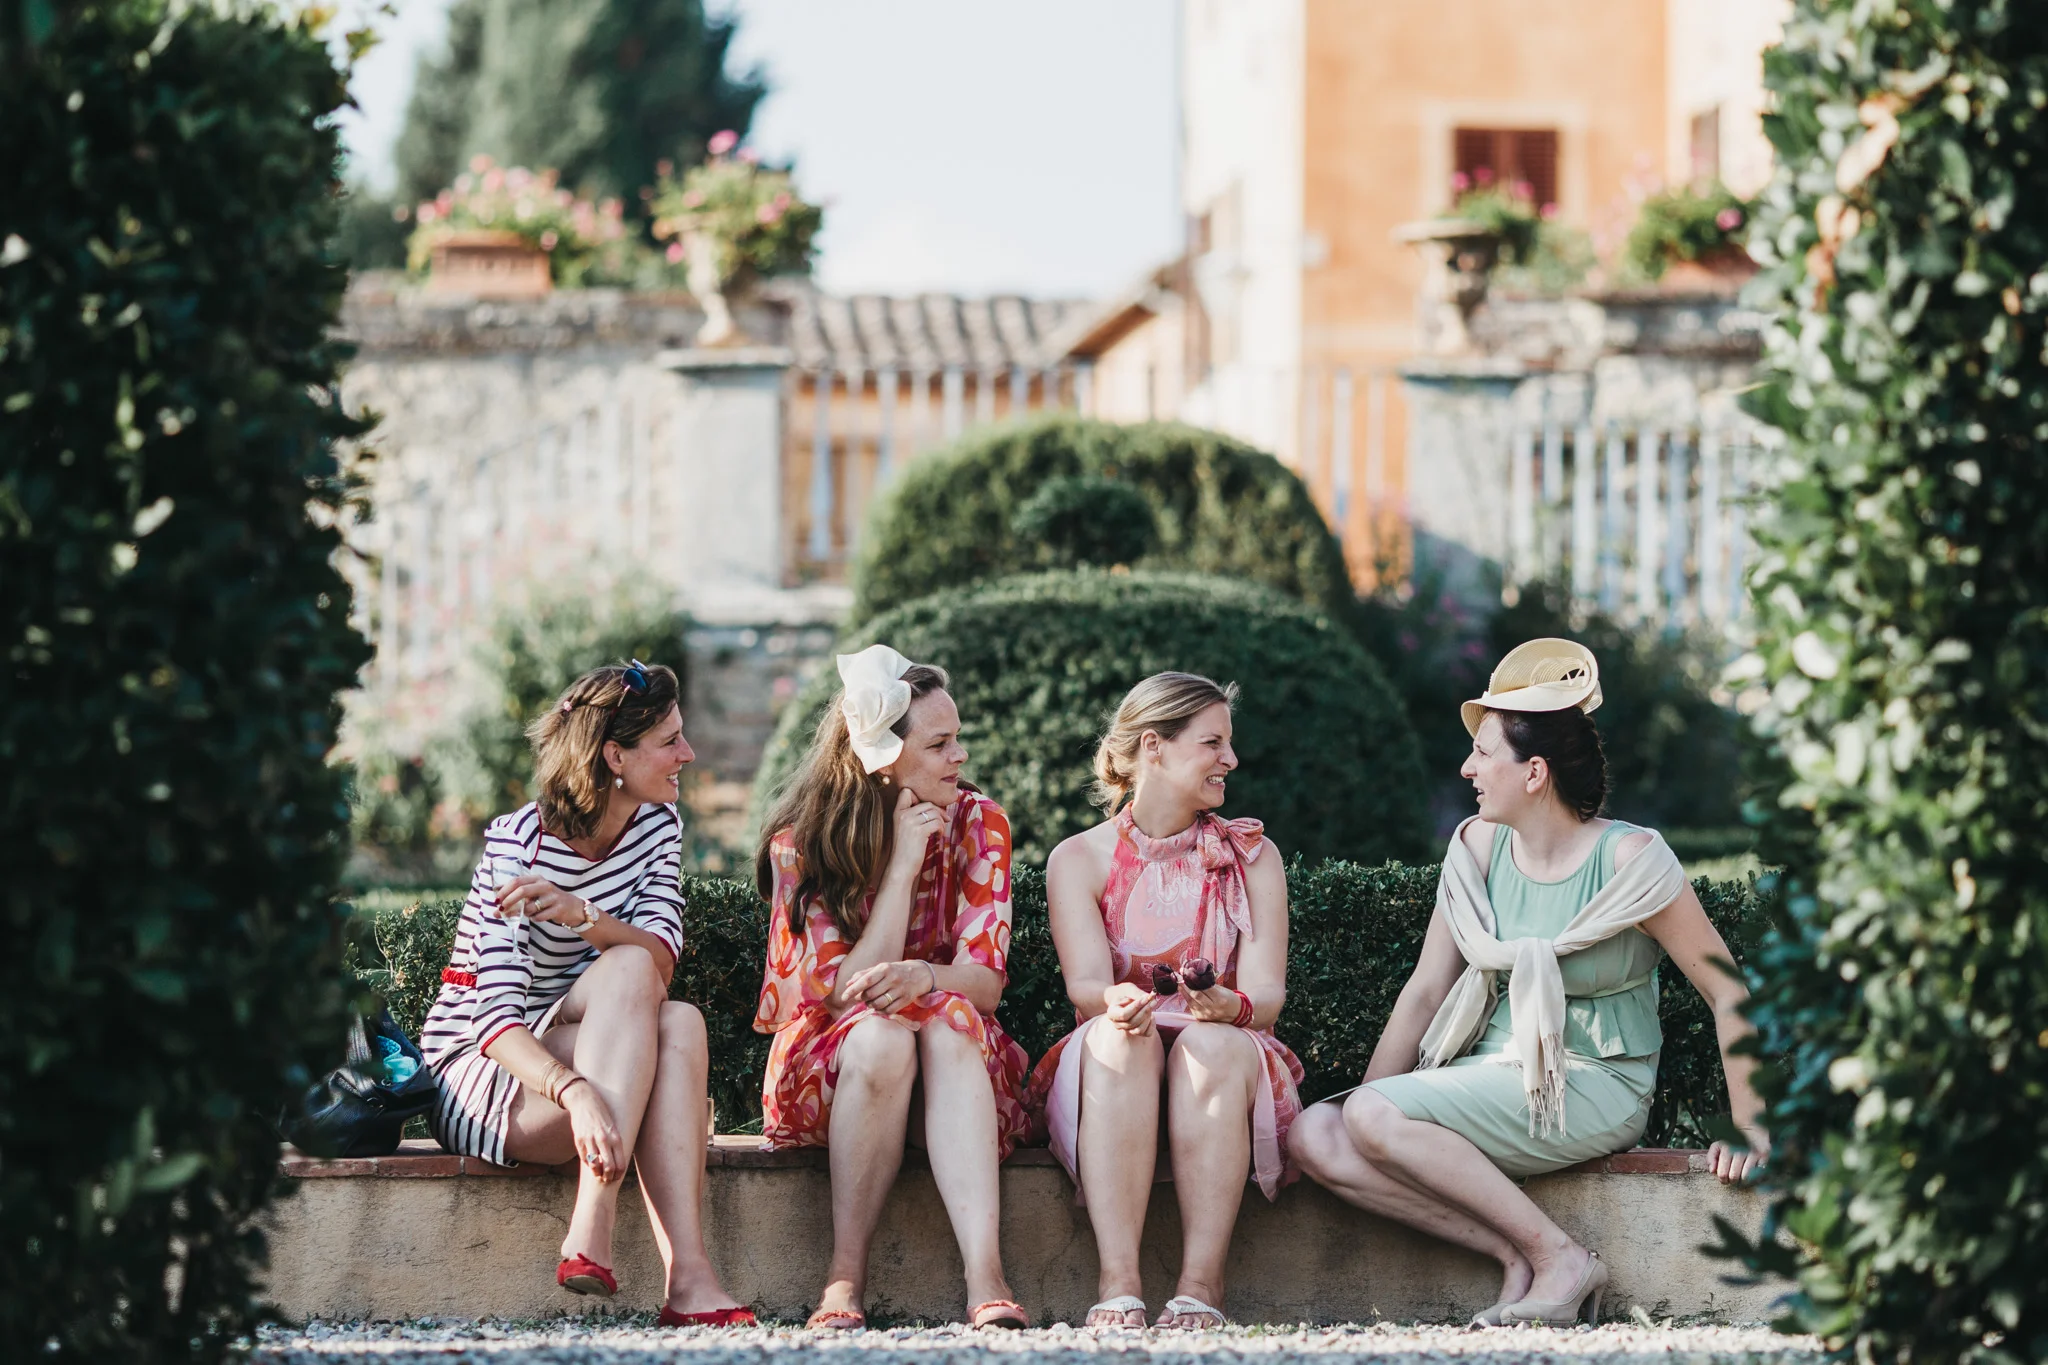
(1355, 933)
(1039, 663)
(1222, 507)
(1901, 676)
(177, 634)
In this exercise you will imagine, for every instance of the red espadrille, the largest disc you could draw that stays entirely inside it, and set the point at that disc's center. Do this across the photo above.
(581, 1275)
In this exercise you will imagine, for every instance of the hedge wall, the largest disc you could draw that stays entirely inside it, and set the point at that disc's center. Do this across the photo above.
(1902, 674)
(1355, 932)
(1040, 662)
(176, 634)
(1222, 508)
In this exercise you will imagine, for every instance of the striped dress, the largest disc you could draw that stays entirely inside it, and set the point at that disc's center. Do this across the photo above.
(521, 969)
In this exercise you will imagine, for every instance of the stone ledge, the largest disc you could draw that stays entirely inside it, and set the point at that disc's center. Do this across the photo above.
(419, 1159)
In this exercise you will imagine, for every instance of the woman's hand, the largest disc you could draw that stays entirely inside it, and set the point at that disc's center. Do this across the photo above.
(598, 1144)
(916, 822)
(1217, 1005)
(1130, 1008)
(888, 987)
(540, 899)
(1734, 1165)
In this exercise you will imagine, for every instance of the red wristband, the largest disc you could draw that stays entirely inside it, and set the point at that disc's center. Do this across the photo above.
(1244, 1008)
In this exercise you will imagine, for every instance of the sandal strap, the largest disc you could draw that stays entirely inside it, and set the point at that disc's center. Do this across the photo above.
(1187, 1306)
(1122, 1303)
(997, 1309)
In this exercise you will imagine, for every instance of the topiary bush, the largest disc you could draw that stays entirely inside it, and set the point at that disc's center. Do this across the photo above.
(176, 637)
(1354, 935)
(1086, 520)
(1901, 671)
(1040, 662)
(1221, 508)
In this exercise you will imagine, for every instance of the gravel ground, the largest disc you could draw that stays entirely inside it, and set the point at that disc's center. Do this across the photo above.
(573, 1342)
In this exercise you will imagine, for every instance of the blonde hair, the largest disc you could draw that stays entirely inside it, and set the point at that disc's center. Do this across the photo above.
(568, 742)
(1164, 704)
(840, 817)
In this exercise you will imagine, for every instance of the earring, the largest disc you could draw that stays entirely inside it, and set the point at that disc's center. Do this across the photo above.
(618, 781)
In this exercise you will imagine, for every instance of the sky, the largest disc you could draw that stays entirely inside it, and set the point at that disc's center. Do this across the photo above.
(968, 146)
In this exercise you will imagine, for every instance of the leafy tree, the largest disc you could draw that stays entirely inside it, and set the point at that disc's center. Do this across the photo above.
(176, 637)
(600, 90)
(1902, 663)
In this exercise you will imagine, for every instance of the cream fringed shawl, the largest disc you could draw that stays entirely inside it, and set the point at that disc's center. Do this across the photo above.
(1650, 881)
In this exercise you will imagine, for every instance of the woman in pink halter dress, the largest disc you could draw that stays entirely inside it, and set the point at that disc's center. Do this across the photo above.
(1126, 905)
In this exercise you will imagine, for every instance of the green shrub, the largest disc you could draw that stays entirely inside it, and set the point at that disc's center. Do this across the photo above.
(177, 634)
(1086, 520)
(1684, 224)
(1355, 933)
(1039, 664)
(1902, 670)
(1221, 506)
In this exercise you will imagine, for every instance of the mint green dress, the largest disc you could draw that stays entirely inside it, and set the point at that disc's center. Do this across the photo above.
(1611, 1034)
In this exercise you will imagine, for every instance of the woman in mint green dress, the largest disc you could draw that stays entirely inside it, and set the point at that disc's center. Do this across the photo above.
(1527, 1038)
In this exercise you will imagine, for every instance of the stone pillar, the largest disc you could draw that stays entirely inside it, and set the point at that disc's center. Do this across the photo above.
(727, 441)
(1457, 500)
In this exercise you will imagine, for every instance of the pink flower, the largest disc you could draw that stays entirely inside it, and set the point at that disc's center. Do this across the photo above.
(464, 183)
(768, 215)
(611, 208)
(675, 253)
(782, 202)
(750, 156)
(1522, 189)
(479, 163)
(1728, 219)
(518, 178)
(694, 199)
(664, 168)
(548, 239)
(1460, 182)
(722, 142)
(1548, 211)
(494, 181)
(1483, 175)
(427, 214)
(399, 213)
(444, 201)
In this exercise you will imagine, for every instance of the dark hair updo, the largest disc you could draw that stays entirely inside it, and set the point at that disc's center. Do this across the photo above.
(1570, 743)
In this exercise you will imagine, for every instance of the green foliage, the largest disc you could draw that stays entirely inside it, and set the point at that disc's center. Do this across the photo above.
(1674, 755)
(1354, 935)
(535, 650)
(756, 222)
(1082, 521)
(1039, 664)
(586, 241)
(1221, 508)
(601, 91)
(177, 635)
(372, 234)
(1508, 211)
(1901, 672)
(1684, 224)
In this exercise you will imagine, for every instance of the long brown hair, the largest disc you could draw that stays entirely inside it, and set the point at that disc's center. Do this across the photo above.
(569, 737)
(840, 817)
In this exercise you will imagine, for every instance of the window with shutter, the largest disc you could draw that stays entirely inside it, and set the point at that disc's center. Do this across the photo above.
(1509, 155)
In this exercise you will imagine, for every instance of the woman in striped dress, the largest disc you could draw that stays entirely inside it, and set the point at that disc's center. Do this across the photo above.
(553, 1037)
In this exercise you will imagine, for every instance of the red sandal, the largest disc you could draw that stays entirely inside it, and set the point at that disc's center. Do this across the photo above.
(581, 1275)
(716, 1317)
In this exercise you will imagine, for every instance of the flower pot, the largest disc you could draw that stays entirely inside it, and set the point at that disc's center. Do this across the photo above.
(716, 292)
(1463, 254)
(1720, 271)
(487, 263)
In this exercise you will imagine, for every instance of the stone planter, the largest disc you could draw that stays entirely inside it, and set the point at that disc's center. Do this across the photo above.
(487, 263)
(1720, 272)
(718, 294)
(1462, 255)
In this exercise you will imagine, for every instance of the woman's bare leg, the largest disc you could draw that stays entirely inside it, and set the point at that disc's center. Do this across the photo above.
(670, 1160)
(1210, 1075)
(870, 1109)
(960, 1140)
(616, 1004)
(1438, 1162)
(1322, 1146)
(1117, 1149)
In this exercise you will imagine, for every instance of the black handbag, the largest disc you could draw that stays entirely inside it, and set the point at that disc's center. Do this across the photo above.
(361, 1107)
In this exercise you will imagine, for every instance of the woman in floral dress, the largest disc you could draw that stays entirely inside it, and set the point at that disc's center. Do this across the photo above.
(1171, 924)
(888, 882)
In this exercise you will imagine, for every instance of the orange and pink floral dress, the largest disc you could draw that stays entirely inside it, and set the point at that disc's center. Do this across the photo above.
(959, 913)
(1167, 901)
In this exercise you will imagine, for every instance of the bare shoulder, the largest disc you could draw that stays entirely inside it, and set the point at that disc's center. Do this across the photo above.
(1632, 843)
(1268, 866)
(1083, 857)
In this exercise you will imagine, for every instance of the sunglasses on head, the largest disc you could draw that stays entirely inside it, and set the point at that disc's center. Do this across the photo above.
(634, 680)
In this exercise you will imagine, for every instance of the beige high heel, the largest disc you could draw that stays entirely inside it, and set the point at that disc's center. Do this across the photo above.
(1592, 1285)
(1489, 1317)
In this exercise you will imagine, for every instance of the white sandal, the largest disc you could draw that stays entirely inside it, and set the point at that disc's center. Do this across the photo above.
(1188, 1306)
(1120, 1305)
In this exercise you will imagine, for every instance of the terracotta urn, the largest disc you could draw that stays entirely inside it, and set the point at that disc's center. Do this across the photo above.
(1463, 255)
(489, 263)
(1720, 271)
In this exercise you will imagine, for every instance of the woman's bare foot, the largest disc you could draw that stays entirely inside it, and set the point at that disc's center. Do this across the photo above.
(1117, 1310)
(841, 1296)
(1516, 1277)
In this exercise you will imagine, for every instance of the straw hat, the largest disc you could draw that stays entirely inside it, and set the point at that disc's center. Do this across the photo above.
(1542, 675)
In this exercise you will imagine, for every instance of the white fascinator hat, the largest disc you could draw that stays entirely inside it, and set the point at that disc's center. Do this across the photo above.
(875, 698)
(1542, 675)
